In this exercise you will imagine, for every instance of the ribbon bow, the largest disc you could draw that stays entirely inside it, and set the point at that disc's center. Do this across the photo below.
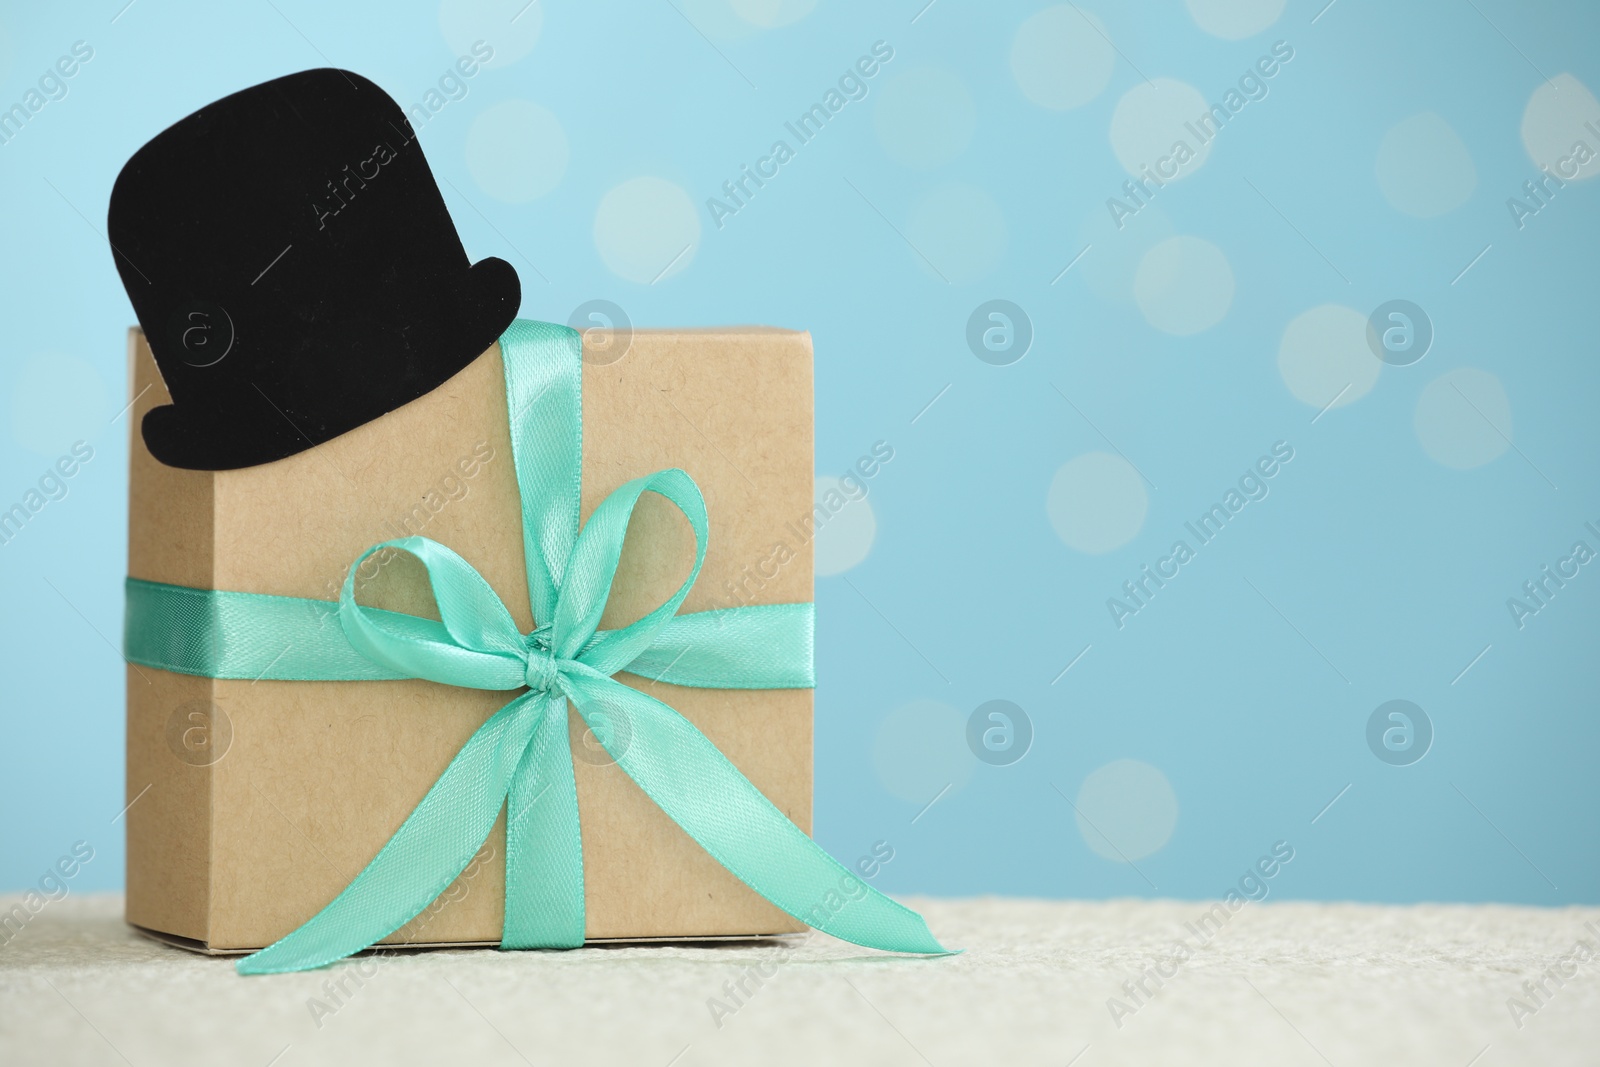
(520, 757)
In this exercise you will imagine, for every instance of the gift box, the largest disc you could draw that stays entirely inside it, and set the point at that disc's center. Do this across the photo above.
(255, 802)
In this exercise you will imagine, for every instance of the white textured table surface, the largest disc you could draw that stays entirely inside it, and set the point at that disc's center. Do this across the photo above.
(1282, 983)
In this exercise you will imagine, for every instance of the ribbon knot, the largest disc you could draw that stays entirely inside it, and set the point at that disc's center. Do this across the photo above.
(542, 671)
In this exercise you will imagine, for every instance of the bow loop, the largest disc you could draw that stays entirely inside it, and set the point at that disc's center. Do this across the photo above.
(474, 644)
(592, 566)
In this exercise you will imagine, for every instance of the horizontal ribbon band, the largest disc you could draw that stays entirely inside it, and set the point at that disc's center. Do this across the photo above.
(216, 633)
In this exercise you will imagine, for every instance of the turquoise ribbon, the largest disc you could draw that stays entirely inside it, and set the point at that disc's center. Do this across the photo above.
(520, 758)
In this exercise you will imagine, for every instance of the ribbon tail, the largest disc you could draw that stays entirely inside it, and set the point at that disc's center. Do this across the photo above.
(693, 782)
(431, 848)
(544, 847)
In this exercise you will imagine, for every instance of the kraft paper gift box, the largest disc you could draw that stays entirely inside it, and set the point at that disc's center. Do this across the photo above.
(254, 803)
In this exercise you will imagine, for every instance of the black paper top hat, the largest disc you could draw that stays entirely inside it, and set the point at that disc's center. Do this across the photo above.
(295, 270)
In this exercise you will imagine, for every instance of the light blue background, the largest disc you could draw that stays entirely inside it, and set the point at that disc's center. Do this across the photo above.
(1391, 570)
